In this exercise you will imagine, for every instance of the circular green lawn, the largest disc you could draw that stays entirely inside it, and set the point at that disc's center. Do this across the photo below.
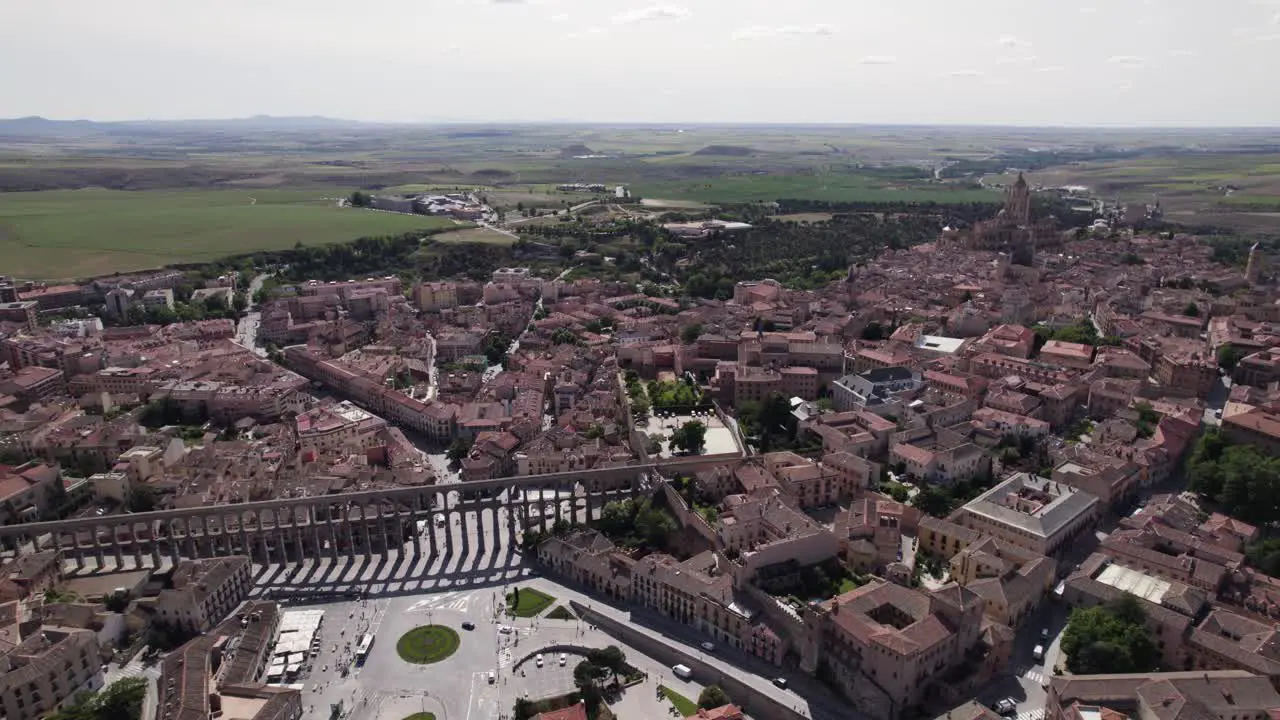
(427, 644)
(421, 716)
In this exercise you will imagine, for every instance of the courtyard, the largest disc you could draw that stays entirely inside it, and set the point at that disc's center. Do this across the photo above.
(719, 439)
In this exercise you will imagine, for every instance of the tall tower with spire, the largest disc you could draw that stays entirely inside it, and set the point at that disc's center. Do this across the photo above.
(1253, 271)
(1017, 203)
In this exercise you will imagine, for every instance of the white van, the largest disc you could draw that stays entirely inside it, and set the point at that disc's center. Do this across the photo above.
(1038, 653)
(682, 671)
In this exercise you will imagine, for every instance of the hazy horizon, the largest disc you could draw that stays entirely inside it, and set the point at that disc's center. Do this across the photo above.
(1121, 64)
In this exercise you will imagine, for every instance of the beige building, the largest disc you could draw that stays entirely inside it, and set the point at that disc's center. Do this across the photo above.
(886, 645)
(1010, 580)
(1213, 695)
(45, 667)
(203, 592)
(1033, 513)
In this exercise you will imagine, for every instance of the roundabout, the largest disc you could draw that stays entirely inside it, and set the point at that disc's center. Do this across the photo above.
(427, 644)
(421, 716)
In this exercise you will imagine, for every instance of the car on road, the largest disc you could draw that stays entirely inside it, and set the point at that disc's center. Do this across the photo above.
(709, 647)
(538, 660)
(1044, 633)
(492, 677)
(1038, 653)
(505, 629)
(468, 625)
(564, 659)
(780, 682)
(1007, 707)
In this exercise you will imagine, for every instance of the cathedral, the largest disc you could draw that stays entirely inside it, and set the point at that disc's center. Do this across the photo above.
(1010, 231)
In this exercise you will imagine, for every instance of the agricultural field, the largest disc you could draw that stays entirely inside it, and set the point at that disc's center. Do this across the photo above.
(66, 234)
(823, 187)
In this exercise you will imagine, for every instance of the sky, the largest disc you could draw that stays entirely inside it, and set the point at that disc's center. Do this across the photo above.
(1031, 62)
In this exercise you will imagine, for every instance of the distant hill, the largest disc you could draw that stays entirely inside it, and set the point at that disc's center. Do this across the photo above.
(726, 151)
(576, 150)
(35, 125)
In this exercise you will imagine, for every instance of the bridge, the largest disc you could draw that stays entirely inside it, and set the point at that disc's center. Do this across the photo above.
(366, 522)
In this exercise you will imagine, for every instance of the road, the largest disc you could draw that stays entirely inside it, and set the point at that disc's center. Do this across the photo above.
(247, 329)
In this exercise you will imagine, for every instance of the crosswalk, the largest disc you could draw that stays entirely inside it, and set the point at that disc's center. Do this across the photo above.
(1031, 715)
(1034, 676)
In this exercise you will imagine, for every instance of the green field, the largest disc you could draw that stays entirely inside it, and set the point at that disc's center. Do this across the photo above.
(474, 235)
(63, 234)
(827, 188)
(531, 602)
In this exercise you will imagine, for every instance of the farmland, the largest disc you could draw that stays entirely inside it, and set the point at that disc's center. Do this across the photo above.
(825, 187)
(64, 234)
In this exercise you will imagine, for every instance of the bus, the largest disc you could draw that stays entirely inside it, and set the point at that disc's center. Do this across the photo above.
(363, 644)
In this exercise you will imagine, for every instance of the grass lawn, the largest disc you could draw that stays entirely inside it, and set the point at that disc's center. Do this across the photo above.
(427, 644)
(846, 585)
(422, 716)
(65, 234)
(531, 602)
(474, 235)
(684, 705)
(561, 613)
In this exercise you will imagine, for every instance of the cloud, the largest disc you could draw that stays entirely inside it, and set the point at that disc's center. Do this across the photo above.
(1183, 53)
(761, 31)
(593, 30)
(1275, 19)
(653, 12)
(1049, 69)
(877, 60)
(559, 17)
(965, 73)
(1011, 60)
(1010, 41)
(1127, 61)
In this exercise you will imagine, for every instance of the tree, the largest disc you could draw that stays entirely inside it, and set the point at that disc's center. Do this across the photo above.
(121, 700)
(689, 437)
(141, 498)
(359, 199)
(689, 334)
(1191, 310)
(1110, 638)
(713, 697)
(1229, 356)
(458, 450)
(932, 501)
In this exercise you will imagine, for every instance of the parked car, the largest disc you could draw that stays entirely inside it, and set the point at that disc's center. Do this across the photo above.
(709, 647)
(1044, 633)
(780, 682)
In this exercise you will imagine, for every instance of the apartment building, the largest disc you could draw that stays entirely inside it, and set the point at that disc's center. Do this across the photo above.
(44, 667)
(200, 680)
(1067, 354)
(200, 593)
(1258, 427)
(1034, 513)
(30, 574)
